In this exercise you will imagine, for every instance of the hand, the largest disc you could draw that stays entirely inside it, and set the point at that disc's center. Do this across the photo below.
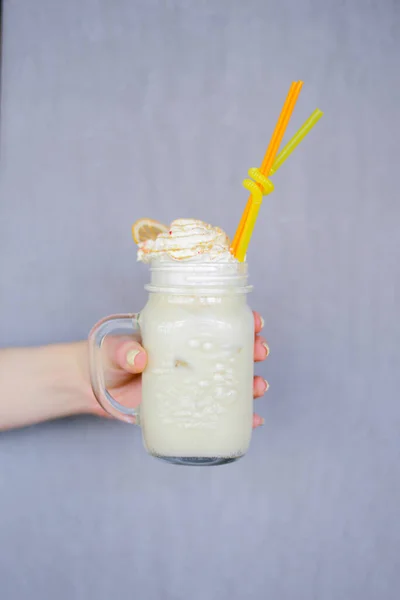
(126, 360)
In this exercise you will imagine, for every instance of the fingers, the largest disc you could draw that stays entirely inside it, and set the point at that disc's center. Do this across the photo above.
(258, 322)
(260, 386)
(125, 354)
(257, 421)
(261, 349)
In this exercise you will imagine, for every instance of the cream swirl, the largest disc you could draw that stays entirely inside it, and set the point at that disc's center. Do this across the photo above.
(188, 240)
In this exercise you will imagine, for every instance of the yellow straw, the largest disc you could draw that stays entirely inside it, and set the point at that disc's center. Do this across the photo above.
(247, 231)
(253, 209)
(296, 139)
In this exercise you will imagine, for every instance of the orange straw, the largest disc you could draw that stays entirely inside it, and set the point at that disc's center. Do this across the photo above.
(270, 155)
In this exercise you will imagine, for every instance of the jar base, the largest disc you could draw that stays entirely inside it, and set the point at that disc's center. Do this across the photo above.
(198, 461)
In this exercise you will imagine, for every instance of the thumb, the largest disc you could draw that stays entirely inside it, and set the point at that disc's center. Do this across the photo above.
(123, 353)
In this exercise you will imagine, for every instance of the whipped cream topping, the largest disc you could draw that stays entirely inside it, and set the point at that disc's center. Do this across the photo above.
(188, 240)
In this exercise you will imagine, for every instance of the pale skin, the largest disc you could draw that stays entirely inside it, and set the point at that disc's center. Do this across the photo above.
(49, 382)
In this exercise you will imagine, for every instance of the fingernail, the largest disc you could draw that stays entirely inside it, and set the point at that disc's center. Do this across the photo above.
(266, 385)
(258, 421)
(262, 322)
(130, 357)
(266, 347)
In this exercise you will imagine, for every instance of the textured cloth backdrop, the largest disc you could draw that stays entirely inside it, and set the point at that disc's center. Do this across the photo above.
(115, 110)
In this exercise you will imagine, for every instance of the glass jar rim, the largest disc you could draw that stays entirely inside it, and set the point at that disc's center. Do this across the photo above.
(199, 277)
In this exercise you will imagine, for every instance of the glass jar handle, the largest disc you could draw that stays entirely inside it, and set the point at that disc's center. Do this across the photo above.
(116, 325)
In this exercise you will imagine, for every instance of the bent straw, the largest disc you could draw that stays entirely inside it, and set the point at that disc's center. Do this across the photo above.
(275, 140)
(270, 154)
(283, 155)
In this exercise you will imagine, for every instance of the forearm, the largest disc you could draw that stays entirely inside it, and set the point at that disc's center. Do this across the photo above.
(38, 384)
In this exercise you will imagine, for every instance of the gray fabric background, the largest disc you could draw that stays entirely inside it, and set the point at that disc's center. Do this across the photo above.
(115, 110)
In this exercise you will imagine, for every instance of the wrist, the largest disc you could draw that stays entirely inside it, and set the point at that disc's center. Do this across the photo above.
(71, 379)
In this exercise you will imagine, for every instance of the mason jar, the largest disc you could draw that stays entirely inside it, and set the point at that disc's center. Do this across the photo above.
(197, 388)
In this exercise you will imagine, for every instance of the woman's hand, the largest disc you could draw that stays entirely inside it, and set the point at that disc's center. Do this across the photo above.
(49, 382)
(127, 360)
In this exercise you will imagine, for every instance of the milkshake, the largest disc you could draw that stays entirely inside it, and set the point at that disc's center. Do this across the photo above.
(198, 331)
(199, 334)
